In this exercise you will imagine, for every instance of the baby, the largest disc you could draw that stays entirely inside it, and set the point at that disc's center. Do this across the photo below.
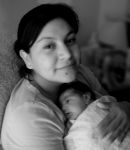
(74, 97)
(79, 105)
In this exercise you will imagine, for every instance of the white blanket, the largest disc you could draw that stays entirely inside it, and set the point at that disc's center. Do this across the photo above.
(84, 136)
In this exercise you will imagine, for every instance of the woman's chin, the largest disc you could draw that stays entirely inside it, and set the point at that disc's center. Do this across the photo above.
(67, 75)
(69, 78)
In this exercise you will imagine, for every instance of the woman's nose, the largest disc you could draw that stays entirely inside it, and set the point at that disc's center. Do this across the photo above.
(64, 53)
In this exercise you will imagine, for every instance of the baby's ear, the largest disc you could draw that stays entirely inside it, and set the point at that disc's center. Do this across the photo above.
(87, 98)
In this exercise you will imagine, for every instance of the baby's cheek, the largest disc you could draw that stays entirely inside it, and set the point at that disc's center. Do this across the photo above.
(77, 111)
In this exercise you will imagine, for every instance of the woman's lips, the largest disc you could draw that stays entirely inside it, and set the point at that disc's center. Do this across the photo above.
(67, 66)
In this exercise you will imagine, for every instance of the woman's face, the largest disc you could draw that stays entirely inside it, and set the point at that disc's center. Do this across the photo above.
(55, 54)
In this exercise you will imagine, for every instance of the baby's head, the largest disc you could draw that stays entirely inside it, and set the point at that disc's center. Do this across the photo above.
(74, 98)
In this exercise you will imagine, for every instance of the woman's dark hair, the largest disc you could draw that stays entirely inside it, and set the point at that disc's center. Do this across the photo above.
(78, 87)
(33, 22)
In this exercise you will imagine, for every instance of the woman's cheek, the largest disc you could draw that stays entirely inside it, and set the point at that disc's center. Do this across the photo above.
(49, 63)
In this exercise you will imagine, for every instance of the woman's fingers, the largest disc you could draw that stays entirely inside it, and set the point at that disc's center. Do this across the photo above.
(117, 130)
(105, 102)
(123, 135)
(105, 125)
(115, 124)
(104, 105)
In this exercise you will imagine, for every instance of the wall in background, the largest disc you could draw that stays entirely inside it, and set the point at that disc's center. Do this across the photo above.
(88, 11)
(12, 11)
(111, 22)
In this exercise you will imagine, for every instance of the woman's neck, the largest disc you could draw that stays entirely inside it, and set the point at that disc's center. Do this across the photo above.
(51, 88)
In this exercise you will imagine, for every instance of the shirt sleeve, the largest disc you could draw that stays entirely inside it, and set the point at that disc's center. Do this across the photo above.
(87, 76)
(36, 127)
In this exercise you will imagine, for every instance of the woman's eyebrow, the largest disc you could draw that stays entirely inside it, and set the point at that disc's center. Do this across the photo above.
(70, 32)
(45, 38)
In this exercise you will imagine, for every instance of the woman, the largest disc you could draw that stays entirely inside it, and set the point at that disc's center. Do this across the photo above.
(46, 42)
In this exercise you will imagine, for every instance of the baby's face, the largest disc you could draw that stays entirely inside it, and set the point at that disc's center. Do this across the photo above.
(72, 103)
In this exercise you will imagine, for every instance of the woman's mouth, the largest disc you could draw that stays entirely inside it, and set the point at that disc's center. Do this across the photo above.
(68, 66)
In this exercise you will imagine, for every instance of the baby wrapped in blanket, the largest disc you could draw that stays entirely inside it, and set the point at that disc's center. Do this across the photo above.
(84, 117)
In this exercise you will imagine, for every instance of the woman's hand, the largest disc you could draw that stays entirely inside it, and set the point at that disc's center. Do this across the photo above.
(116, 123)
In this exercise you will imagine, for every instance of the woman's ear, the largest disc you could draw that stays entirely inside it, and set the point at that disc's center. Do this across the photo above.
(87, 98)
(26, 58)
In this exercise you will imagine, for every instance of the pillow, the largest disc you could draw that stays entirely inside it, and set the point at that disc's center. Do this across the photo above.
(8, 70)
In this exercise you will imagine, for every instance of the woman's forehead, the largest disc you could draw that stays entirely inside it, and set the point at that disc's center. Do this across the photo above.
(55, 28)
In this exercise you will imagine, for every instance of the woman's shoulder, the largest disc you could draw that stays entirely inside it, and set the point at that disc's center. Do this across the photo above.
(27, 97)
(22, 93)
(87, 76)
(84, 73)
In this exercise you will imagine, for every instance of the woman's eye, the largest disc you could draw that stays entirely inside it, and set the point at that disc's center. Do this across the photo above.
(50, 46)
(67, 101)
(71, 41)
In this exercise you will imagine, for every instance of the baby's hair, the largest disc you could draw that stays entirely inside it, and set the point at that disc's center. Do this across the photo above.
(77, 86)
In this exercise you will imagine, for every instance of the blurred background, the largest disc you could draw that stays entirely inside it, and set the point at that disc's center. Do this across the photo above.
(104, 37)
